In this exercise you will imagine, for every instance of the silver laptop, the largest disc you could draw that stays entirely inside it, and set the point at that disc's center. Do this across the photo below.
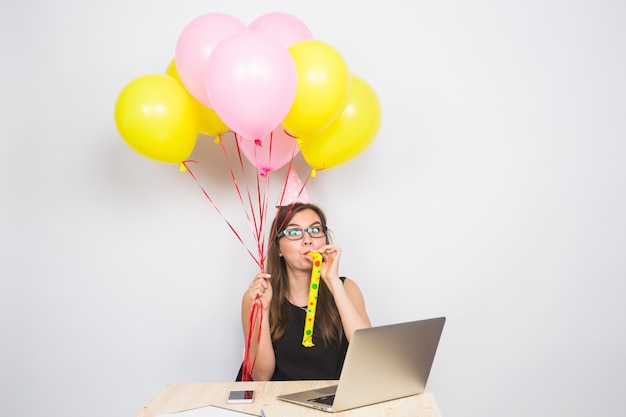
(383, 363)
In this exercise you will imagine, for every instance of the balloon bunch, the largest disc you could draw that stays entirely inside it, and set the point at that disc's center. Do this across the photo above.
(280, 91)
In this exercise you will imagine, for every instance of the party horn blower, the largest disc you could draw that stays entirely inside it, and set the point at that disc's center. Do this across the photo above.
(307, 339)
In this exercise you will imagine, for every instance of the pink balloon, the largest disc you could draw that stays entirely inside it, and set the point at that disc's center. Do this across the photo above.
(251, 80)
(194, 46)
(270, 152)
(286, 28)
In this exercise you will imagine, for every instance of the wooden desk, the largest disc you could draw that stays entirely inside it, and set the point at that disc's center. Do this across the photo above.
(184, 396)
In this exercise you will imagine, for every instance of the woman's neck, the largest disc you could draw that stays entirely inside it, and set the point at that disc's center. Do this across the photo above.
(299, 288)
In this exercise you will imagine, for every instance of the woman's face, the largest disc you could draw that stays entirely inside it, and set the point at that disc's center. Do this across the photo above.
(295, 250)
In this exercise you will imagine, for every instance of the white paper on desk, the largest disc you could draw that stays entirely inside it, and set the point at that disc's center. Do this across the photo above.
(208, 411)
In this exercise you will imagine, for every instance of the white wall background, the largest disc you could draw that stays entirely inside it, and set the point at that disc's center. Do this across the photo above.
(494, 194)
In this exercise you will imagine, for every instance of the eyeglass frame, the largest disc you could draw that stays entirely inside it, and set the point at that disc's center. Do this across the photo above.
(303, 230)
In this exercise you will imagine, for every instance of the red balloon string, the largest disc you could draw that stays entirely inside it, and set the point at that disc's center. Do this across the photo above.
(256, 317)
(255, 210)
(186, 164)
(255, 215)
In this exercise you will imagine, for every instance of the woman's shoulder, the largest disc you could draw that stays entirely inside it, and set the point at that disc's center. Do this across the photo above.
(350, 283)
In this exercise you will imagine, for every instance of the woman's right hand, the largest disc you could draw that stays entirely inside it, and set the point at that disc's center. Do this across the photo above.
(261, 287)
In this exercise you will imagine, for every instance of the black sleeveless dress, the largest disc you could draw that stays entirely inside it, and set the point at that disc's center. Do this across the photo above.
(296, 362)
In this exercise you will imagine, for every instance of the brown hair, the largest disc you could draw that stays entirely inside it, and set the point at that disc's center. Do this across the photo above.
(327, 318)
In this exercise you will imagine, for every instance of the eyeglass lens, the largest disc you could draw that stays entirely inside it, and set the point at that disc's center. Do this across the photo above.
(296, 233)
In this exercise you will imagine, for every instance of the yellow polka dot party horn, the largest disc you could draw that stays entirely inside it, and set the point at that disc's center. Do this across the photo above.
(307, 339)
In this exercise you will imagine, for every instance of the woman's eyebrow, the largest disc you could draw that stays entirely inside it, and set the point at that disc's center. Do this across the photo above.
(315, 223)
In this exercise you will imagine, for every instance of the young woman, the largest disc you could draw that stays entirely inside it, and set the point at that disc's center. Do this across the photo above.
(283, 290)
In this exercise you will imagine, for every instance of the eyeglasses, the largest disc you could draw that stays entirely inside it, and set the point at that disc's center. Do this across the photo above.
(297, 233)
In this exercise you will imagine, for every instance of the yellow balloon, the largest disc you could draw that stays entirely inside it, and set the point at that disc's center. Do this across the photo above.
(210, 122)
(323, 87)
(157, 118)
(350, 134)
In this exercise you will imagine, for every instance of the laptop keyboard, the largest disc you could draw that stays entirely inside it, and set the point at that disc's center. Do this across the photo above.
(327, 399)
